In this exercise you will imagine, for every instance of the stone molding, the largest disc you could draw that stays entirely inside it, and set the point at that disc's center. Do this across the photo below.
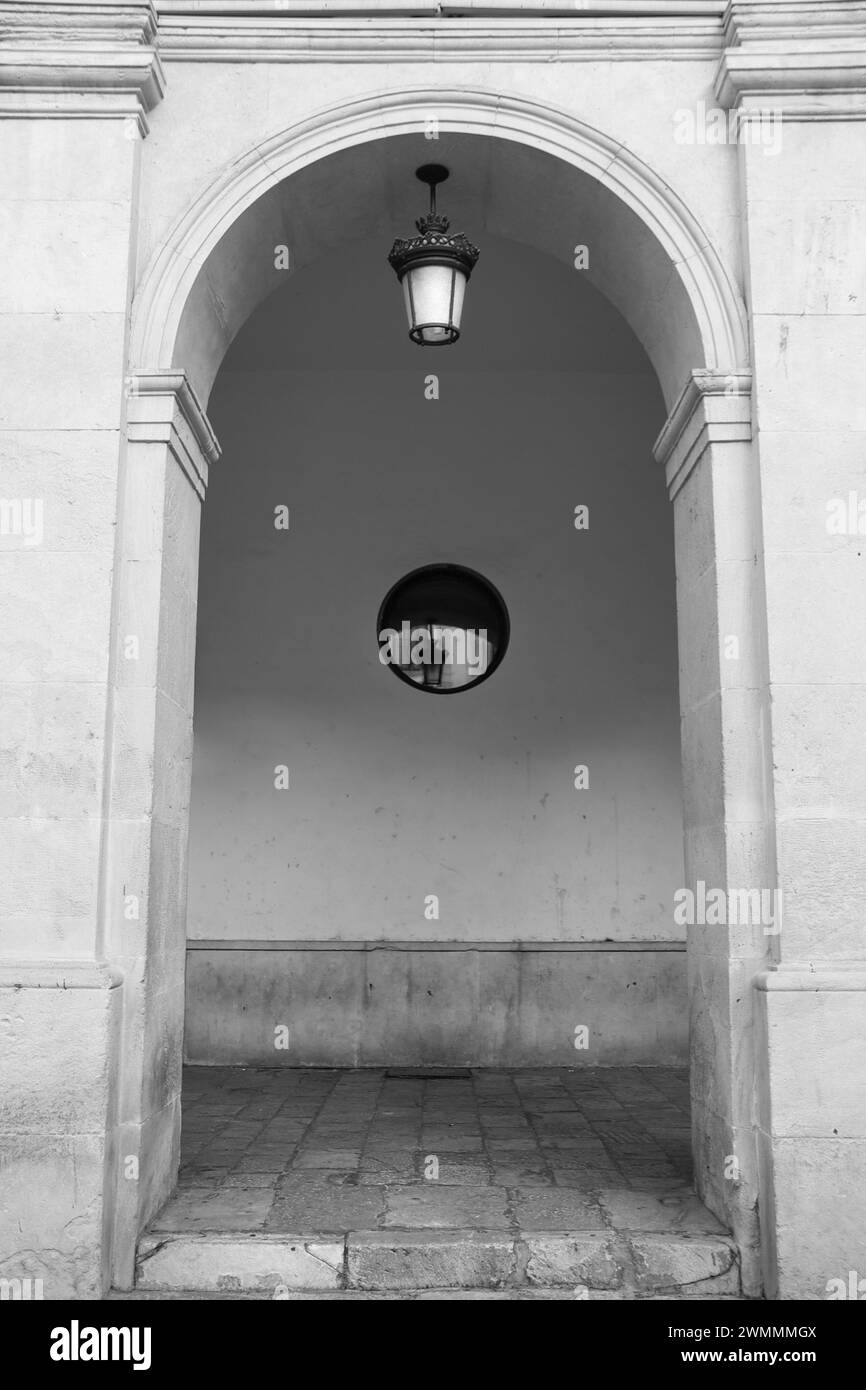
(162, 408)
(91, 59)
(59, 974)
(78, 22)
(836, 977)
(805, 59)
(208, 35)
(793, 21)
(511, 947)
(715, 407)
(436, 9)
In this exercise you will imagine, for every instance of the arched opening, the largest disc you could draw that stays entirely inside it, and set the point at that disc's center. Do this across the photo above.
(540, 812)
(544, 177)
(532, 191)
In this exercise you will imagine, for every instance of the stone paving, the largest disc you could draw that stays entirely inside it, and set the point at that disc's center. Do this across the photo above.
(290, 1149)
(383, 1180)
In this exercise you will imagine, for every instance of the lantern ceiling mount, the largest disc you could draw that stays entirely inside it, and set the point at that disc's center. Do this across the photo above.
(433, 269)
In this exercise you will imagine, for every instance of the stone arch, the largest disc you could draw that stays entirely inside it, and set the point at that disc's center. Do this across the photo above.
(652, 258)
(657, 265)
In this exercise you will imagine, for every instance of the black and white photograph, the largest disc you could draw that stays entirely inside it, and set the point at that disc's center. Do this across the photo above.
(433, 848)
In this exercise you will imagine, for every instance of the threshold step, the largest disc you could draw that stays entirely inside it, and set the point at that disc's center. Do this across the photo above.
(583, 1263)
(416, 1296)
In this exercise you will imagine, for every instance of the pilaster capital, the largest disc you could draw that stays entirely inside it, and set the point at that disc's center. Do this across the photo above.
(79, 58)
(162, 408)
(803, 58)
(714, 407)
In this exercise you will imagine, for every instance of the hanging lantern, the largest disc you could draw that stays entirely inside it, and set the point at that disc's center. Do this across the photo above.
(433, 269)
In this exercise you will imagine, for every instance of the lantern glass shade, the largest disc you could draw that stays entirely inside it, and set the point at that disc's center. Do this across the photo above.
(443, 628)
(433, 295)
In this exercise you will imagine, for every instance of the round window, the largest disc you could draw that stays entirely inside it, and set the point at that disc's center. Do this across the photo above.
(443, 628)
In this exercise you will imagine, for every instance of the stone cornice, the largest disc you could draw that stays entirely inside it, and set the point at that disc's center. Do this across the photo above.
(215, 39)
(94, 58)
(286, 31)
(805, 59)
(162, 408)
(714, 407)
(444, 9)
(78, 21)
(793, 21)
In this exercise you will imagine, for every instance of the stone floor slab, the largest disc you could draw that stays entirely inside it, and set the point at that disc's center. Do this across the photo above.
(552, 1209)
(222, 1209)
(676, 1210)
(312, 1202)
(429, 1204)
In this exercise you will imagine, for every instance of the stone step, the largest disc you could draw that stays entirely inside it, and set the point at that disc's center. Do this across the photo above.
(579, 1263)
(419, 1295)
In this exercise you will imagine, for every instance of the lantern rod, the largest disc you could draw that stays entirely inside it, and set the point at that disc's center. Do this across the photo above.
(432, 174)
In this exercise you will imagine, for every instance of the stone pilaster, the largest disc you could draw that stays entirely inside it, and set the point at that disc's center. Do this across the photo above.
(802, 69)
(76, 81)
(170, 447)
(706, 449)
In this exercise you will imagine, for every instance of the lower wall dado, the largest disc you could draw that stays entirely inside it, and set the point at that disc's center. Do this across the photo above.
(305, 1003)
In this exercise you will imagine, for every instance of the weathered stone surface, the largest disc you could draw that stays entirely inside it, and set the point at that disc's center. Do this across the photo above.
(51, 1211)
(542, 1238)
(673, 1262)
(590, 1259)
(226, 1209)
(431, 1204)
(336, 1021)
(555, 1209)
(213, 1263)
(422, 1259)
(672, 1211)
(435, 1295)
(312, 1202)
(819, 1232)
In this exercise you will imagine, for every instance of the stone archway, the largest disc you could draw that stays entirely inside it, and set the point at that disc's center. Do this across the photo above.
(701, 323)
(661, 271)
